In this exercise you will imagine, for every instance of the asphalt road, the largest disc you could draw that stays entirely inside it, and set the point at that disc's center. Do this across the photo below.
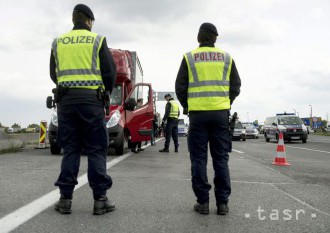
(153, 193)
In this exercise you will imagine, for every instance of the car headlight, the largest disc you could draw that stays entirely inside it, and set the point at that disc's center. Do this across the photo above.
(304, 128)
(114, 119)
(54, 119)
(281, 128)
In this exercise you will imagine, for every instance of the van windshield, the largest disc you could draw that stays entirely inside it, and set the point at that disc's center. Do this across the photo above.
(116, 96)
(289, 121)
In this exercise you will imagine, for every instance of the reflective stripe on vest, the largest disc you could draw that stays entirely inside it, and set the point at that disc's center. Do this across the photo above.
(77, 59)
(174, 113)
(209, 71)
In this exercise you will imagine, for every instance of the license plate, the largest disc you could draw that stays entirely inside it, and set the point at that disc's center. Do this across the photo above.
(295, 137)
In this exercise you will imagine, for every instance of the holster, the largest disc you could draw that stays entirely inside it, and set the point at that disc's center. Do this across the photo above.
(58, 93)
(105, 97)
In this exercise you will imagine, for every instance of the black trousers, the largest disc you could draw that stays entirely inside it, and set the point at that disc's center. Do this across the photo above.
(171, 130)
(82, 129)
(209, 127)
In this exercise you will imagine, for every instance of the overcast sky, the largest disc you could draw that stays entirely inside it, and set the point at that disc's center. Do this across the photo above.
(281, 49)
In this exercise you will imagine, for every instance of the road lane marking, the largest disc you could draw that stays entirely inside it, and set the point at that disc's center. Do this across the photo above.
(302, 148)
(300, 201)
(27, 212)
(240, 152)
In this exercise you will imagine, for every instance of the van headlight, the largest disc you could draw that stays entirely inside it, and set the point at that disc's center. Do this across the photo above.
(54, 119)
(281, 128)
(114, 119)
(304, 128)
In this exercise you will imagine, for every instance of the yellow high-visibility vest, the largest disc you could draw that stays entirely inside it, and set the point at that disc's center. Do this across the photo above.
(77, 59)
(174, 113)
(209, 73)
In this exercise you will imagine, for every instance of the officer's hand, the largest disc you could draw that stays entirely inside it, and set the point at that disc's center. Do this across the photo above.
(185, 111)
(163, 124)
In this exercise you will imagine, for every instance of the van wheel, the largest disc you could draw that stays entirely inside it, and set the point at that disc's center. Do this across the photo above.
(304, 140)
(120, 149)
(244, 139)
(55, 149)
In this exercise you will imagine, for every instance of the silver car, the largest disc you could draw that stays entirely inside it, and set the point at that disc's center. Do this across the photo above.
(251, 130)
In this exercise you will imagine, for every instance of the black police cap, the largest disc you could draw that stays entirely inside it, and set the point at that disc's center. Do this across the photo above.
(167, 95)
(208, 28)
(84, 9)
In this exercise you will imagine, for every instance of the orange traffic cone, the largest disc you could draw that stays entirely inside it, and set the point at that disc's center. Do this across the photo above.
(280, 159)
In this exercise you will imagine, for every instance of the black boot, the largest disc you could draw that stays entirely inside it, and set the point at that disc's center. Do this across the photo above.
(202, 208)
(164, 150)
(63, 205)
(102, 205)
(223, 209)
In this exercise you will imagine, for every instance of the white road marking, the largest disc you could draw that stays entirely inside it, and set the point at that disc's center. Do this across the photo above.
(25, 213)
(302, 148)
(240, 152)
(301, 202)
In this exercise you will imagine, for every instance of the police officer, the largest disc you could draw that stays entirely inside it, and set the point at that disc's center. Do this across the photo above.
(207, 84)
(172, 114)
(80, 63)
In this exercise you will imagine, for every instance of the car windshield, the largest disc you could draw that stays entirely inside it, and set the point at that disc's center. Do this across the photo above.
(238, 125)
(289, 121)
(115, 98)
(249, 126)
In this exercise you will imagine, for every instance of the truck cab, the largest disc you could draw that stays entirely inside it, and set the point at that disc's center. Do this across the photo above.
(128, 122)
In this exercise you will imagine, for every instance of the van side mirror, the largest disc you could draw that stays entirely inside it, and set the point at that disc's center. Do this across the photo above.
(274, 124)
(50, 102)
(130, 104)
(244, 127)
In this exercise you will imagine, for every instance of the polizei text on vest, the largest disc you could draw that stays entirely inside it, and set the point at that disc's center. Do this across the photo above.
(76, 40)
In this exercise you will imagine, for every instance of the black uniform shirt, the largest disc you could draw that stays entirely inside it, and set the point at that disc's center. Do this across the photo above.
(182, 81)
(108, 73)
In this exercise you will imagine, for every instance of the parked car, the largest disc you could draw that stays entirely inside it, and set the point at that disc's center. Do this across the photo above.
(182, 129)
(251, 130)
(291, 126)
(239, 132)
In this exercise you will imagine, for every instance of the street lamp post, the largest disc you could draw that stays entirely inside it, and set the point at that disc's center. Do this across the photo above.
(248, 117)
(295, 112)
(311, 122)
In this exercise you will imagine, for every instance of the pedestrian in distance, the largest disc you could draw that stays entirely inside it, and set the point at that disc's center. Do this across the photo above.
(171, 116)
(82, 68)
(206, 86)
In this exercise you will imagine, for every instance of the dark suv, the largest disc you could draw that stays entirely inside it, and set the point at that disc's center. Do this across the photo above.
(291, 126)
